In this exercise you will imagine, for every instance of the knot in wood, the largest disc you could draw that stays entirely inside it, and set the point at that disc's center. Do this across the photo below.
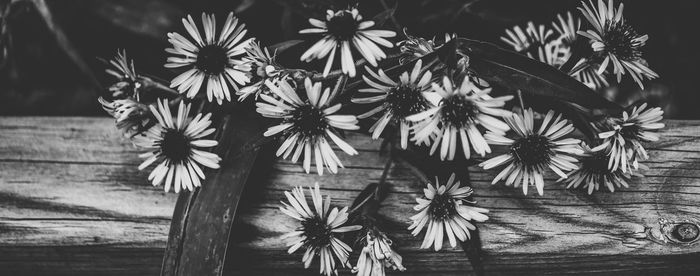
(686, 232)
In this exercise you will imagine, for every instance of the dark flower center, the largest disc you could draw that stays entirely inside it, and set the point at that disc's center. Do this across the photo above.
(442, 207)
(317, 232)
(343, 26)
(618, 39)
(308, 120)
(596, 164)
(533, 150)
(405, 100)
(459, 111)
(212, 59)
(630, 132)
(175, 146)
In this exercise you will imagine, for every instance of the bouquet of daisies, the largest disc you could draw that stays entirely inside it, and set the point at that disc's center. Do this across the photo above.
(522, 110)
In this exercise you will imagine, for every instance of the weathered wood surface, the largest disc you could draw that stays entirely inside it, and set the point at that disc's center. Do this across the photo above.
(73, 203)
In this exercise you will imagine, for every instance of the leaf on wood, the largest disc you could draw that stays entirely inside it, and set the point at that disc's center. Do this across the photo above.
(518, 72)
(203, 219)
(472, 248)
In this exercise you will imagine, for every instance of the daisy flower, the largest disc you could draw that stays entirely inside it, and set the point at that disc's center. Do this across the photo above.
(458, 114)
(344, 30)
(176, 145)
(531, 153)
(262, 68)
(210, 61)
(376, 255)
(594, 172)
(567, 28)
(530, 41)
(131, 116)
(318, 231)
(627, 134)
(616, 42)
(123, 70)
(585, 69)
(444, 212)
(398, 99)
(416, 47)
(307, 124)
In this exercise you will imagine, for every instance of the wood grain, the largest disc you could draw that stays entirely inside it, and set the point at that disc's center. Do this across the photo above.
(73, 203)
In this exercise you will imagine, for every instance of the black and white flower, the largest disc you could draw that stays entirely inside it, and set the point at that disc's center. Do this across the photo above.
(593, 172)
(531, 41)
(343, 31)
(127, 84)
(263, 67)
(534, 151)
(615, 42)
(131, 116)
(414, 47)
(445, 210)
(307, 124)
(176, 144)
(211, 62)
(458, 114)
(626, 135)
(377, 255)
(319, 230)
(397, 99)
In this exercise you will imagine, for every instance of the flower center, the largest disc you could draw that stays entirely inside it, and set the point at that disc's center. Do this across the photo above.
(619, 40)
(630, 132)
(405, 100)
(212, 59)
(442, 207)
(534, 150)
(342, 25)
(175, 146)
(459, 111)
(309, 121)
(316, 231)
(596, 164)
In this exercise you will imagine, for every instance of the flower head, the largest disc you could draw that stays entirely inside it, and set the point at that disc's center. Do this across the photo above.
(307, 124)
(399, 99)
(625, 136)
(376, 255)
(444, 211)
(176, 145)
(458, 114)
(131, 116)
(615, 42)
(530, 41)
(262, 67)
(318, 231)
(533, 151)
(127, 84)
(210, 61)
(343, 31)
(594, 172)
(416, 47)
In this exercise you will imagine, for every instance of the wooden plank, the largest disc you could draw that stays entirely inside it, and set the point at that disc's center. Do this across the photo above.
(69, 190)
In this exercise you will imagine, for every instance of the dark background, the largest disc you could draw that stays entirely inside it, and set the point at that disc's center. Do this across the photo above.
(52, 67)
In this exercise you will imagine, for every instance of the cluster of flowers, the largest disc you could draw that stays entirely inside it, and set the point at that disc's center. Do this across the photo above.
(586, 54)
(444, 209)
(425, 106)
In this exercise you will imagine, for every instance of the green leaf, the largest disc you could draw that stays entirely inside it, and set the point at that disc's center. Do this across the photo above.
(518, 72)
